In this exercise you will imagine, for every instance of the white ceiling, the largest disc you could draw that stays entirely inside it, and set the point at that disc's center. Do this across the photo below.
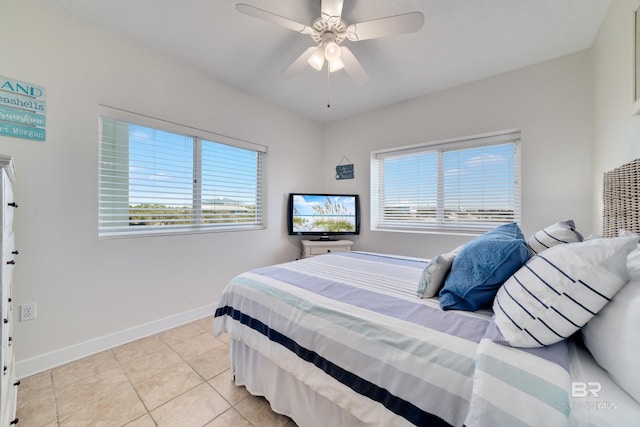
(461, 41)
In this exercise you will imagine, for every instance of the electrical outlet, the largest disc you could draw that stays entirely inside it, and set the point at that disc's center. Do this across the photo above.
(27, 311)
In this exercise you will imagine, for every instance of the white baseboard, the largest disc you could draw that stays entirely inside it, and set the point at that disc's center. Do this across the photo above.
(37, 364)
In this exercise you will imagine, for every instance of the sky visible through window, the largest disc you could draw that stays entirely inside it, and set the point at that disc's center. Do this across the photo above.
(161, 170)
(472, 179)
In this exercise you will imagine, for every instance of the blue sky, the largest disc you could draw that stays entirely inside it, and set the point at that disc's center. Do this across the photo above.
(163, 158)
(471, 178)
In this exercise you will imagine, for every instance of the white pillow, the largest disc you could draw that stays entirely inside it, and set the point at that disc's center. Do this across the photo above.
(556, 292)
(556, 234)
(434, 274)
(612, 336)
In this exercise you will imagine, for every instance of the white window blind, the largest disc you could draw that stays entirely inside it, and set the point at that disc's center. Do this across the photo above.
(462, 186)
(158, 177)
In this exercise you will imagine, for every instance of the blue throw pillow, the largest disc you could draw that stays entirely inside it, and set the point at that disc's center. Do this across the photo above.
(482, 266)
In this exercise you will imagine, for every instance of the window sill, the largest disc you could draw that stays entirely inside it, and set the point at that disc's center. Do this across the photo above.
(472, 231)
(156, 232)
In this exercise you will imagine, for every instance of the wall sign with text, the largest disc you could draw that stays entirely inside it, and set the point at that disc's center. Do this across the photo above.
(344, 171)
(22, 110)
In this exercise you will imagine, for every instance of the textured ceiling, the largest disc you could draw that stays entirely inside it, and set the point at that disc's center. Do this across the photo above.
(461, 41)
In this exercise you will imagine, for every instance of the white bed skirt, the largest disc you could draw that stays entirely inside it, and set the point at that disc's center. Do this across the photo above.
(285, 393)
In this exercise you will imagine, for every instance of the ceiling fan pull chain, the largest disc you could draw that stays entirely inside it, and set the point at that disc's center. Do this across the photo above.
(328, 88)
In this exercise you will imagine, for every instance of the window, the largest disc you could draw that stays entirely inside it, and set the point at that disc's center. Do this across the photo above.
(158, 177)
(459, 186)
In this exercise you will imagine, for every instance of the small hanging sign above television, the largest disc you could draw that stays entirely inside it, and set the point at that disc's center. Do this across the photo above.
(344, 171)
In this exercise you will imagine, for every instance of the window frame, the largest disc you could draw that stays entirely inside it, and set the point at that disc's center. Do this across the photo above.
(440, 225)
(199, 136)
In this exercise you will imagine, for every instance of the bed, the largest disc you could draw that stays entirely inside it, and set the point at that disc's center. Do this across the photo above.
(350, 338)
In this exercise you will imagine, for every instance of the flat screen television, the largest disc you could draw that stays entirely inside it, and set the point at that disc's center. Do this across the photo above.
(323, 215)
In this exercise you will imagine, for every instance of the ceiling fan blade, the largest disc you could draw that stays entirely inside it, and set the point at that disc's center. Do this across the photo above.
(353, 67)
(299, 64)
(383, 27)
(265, 15)
(331, 10)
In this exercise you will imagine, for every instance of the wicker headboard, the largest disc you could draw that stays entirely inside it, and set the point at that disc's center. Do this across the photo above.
(621, 199)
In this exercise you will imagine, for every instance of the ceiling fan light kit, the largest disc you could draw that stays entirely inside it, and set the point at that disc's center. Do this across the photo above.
(329, 51)
(336, 65)
(317, 59)
(332, 51)
(329, 31)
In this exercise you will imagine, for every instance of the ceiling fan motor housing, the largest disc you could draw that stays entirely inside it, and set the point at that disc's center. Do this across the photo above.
(329, 30)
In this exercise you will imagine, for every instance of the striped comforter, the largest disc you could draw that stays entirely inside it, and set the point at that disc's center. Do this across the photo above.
(350, 327)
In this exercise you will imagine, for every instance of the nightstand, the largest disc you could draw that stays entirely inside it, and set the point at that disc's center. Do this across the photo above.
(319, 247)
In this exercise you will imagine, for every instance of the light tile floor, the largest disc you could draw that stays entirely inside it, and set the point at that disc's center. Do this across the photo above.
(179, 377)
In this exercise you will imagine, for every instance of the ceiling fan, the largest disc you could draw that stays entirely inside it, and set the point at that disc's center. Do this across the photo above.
(330, 30)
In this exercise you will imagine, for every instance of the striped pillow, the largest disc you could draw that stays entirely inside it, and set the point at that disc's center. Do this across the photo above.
(556, 292)
(556, 234)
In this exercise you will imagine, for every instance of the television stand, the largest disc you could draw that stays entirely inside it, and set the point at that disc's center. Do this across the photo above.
(323, 246)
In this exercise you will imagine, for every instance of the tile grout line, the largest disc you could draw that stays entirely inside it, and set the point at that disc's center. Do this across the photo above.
(55, 397)
(136, 391)
(203, 381)
(133, 385)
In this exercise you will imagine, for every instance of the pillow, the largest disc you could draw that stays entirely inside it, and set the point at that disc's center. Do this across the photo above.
(556, 234)
(561, 289)
(433, 275)
(612, 335)
(481, 266)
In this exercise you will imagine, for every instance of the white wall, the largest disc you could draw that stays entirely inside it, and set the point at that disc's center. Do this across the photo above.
(616, 132)
(87, 288)
(550, 102)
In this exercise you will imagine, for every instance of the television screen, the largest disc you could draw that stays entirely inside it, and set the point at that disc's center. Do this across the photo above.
(323, 215)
